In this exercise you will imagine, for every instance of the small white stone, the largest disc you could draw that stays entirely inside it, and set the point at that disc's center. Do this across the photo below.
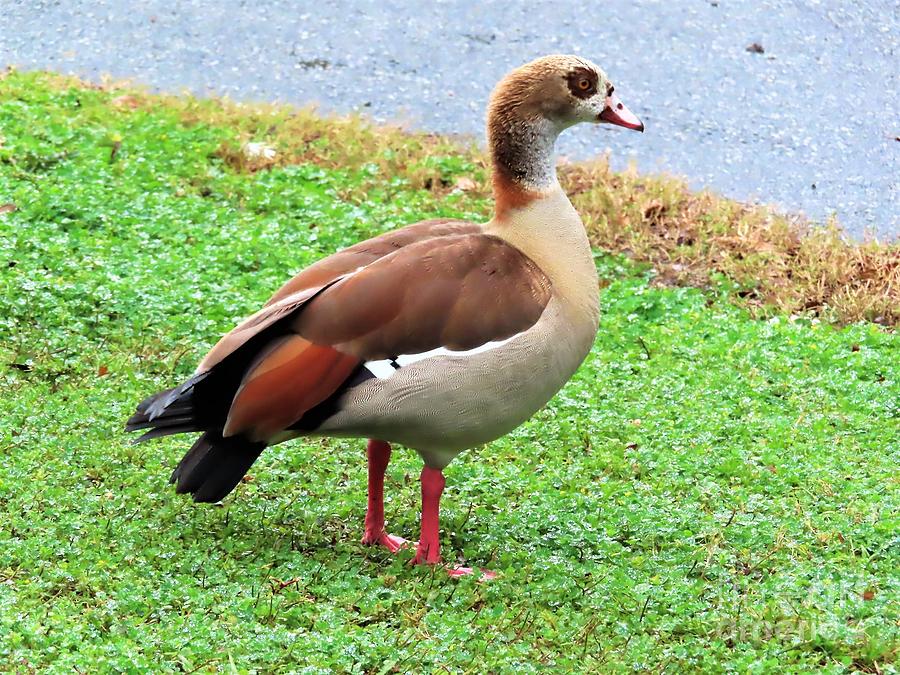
(258, 151)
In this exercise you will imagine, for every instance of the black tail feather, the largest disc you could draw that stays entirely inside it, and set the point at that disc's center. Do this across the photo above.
(158, 405)
(180, 475)
(166, 431)
(214, 466)
(170, 420)
(168, 412)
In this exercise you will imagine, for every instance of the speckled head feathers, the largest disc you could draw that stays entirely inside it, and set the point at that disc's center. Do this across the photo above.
(562, 89)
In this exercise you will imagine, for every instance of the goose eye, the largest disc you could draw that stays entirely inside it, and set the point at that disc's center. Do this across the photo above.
(584, 84)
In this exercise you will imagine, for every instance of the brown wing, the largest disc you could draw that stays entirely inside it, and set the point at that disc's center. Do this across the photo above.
(457, 292)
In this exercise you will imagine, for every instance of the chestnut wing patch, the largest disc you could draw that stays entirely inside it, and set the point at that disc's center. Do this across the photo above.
(289, 378)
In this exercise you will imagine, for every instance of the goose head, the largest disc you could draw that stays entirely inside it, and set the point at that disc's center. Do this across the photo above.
(531, 106)
(561, 90)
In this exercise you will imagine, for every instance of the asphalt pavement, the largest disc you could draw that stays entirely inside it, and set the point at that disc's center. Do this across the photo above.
(787, 102)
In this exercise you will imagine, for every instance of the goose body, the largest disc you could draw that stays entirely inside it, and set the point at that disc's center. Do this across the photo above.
(440, 336)
(443, 400)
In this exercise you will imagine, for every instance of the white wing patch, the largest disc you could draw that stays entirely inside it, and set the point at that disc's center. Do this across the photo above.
(385, 368)
(380, 369)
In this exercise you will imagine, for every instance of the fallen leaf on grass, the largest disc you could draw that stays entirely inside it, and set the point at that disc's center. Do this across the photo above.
(8, 208)
(125, 101)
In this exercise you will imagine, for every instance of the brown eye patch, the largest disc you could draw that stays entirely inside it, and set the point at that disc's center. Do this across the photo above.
(582, 82)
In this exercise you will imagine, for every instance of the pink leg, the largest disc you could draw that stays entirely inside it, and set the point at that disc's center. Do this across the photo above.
(379, 454)
(428, 551)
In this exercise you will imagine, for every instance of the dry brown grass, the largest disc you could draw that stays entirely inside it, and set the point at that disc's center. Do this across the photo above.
(778, 263)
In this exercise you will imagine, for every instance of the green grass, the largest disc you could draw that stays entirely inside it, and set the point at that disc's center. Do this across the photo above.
(710, 492)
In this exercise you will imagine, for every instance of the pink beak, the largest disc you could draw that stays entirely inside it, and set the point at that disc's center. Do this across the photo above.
(616, 113)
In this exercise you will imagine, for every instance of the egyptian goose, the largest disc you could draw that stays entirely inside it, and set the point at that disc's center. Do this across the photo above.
(440, 336)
